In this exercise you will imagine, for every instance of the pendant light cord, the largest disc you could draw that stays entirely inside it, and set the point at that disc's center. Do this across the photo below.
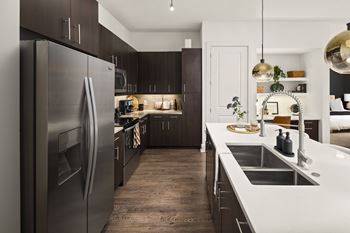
(262, 30)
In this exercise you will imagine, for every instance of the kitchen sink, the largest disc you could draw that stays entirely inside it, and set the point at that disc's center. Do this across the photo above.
(263, 167)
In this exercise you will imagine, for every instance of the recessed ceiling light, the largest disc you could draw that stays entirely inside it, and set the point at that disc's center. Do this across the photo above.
(172, 8)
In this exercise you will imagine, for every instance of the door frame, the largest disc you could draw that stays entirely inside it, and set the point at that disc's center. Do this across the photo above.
(209, 102)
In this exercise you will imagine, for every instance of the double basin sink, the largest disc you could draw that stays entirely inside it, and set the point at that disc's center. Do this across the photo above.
(263, 167)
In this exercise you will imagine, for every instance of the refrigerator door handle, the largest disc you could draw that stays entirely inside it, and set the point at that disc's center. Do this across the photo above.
(90, 138)
(93, 100)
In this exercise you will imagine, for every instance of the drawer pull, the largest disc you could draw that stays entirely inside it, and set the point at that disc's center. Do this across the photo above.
(239, 225)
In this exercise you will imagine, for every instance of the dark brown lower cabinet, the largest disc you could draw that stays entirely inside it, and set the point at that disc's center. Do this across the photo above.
(192, 120)
(165, 130)
(119, 147)
(229, 217)
(144, 133)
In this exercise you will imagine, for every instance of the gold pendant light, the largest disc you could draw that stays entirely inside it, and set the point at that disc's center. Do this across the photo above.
(262, 72)
(337, 53)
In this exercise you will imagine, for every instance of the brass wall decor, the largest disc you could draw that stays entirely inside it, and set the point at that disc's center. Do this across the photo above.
(337, 52)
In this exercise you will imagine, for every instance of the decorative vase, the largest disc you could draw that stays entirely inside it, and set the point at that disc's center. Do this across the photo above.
(277, 86)
(239, 123)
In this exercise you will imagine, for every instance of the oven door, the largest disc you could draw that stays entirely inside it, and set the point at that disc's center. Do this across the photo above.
(120, 81)
(130, 148)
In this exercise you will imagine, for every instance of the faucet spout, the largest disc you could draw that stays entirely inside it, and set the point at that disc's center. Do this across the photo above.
(302, 158)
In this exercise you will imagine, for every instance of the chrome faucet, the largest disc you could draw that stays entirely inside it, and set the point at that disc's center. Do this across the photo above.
(302, 158)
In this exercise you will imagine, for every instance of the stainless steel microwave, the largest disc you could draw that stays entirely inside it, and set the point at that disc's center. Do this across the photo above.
(121, 81)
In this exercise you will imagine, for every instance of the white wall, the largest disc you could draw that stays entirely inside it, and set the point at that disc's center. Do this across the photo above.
(164, 41)
(106, 19)
(9, 118)
(278, 34)
(147, 41)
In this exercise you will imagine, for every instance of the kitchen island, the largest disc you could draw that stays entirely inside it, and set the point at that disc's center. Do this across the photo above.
(320, 208)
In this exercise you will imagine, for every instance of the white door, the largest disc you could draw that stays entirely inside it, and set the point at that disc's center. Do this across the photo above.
(228, 78)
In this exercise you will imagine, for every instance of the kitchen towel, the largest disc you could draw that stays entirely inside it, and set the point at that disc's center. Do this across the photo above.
(137, 138)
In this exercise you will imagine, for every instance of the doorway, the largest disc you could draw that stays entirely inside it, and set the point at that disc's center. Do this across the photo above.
(228, 78)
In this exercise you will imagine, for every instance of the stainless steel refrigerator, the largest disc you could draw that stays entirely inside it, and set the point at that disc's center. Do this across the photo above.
(67, 123)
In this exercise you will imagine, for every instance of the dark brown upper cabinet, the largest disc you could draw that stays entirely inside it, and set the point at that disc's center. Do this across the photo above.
(70, 22)
(160, 72)
(191, 70)
(113, 49)
(174, 72)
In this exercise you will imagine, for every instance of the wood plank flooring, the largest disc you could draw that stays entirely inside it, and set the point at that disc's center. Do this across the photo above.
(167, 193)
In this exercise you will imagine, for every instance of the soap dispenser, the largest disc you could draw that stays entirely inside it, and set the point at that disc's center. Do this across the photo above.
(287, 146)
(279, 140)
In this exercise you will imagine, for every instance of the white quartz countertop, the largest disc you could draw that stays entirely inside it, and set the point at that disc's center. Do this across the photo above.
(141, 114)
(117, 129)
(290, 209)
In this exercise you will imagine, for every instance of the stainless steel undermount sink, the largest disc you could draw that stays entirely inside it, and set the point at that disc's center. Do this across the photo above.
(262, 167)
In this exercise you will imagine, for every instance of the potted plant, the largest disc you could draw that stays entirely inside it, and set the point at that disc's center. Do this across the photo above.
(238, 112)
(278, 73)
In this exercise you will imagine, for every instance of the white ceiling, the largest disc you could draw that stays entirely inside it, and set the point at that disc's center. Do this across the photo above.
(154, 15)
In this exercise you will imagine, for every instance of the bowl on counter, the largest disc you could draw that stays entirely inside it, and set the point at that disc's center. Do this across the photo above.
(158, 105)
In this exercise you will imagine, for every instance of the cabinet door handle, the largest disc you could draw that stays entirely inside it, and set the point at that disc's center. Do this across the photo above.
(239, 225)
(168, 125)
(68, 21)
(219, 199)
(149, 88)
(169, 88)
(117, 149)
(155, 88)
(184, 98)
(79, 33)
(184, 87)
(162, 125)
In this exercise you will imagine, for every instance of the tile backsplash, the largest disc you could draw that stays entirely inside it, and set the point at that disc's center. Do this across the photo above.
(150, 100)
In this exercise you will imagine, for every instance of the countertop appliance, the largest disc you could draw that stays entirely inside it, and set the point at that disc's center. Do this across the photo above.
(121, 81)
(131, 156)
(125, 106)
(67, 154)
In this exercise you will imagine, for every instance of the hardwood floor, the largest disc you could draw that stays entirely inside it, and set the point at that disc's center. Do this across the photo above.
(167, 193)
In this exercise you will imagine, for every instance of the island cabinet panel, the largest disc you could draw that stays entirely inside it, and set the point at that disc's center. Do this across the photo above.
(165, 131)
(230, 214)
(210, 170)
(159, 72)
(73, 23)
